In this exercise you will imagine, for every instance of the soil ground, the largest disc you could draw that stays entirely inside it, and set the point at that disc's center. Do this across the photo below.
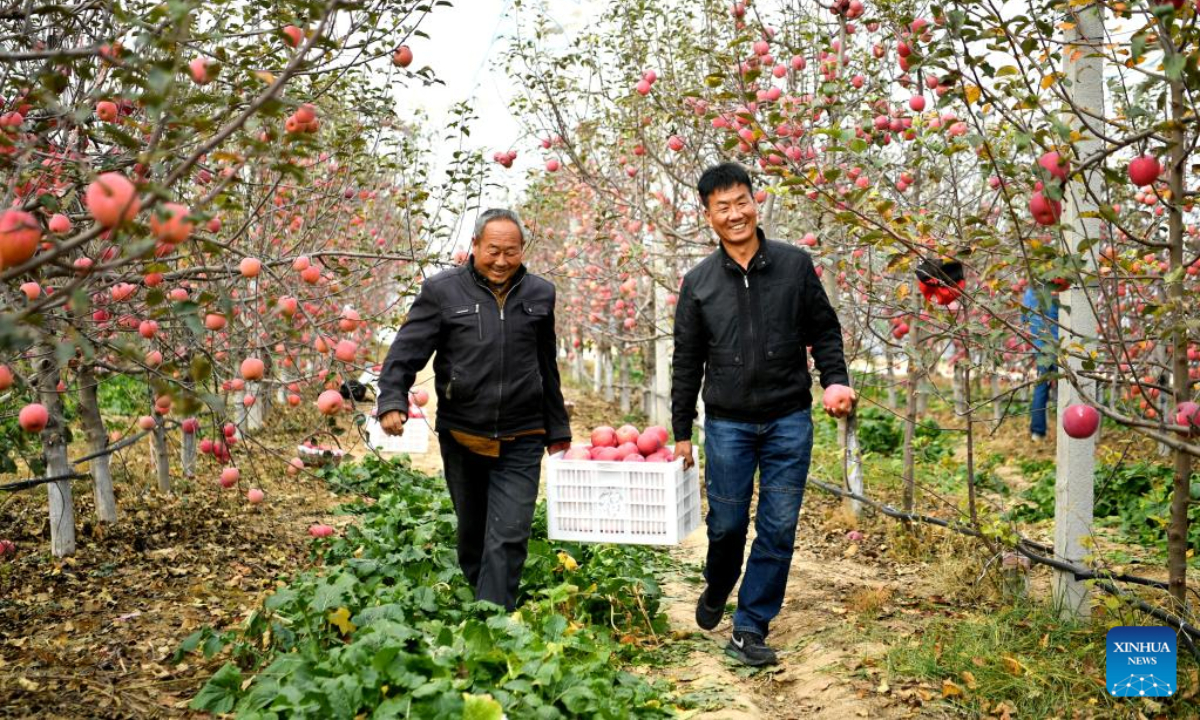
(92, 635)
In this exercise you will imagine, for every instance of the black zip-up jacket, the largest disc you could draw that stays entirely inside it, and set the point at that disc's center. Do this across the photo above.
(744, 332)
(496, 371)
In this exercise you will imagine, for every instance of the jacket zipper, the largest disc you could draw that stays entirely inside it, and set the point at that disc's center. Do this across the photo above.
(500, 398)
(478, 321)
(750, 358)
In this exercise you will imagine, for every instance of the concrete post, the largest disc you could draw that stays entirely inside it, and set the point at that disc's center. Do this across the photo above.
(1077, 458)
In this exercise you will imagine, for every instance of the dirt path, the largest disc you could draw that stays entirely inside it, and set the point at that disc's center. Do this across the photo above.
(823, 654)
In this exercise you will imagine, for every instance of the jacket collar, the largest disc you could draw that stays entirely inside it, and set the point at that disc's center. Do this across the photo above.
(760, 260)
(484, 283)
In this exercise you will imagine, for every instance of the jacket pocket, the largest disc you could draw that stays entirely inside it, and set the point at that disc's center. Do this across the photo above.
(723, 379)
(464, 319)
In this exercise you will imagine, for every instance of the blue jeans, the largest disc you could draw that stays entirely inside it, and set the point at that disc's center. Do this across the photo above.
(780, 450)
(1041, 400)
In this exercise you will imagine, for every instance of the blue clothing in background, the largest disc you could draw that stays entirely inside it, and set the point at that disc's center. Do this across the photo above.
(1043, 327)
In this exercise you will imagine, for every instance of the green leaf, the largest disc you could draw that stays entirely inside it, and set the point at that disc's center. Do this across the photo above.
(481, 707)
(220, 693)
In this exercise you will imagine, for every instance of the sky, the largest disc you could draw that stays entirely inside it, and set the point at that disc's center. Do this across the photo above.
(465, 49)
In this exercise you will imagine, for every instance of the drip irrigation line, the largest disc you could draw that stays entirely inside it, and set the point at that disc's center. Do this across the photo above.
(1033, 550)
(34, 482)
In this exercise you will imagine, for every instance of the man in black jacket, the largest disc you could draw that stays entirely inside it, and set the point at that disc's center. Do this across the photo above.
(500, 401)
(744, 317)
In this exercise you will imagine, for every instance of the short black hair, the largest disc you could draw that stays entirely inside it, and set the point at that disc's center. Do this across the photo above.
(722, 177)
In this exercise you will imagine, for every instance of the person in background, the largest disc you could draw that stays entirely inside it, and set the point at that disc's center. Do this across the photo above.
(1041, 317)
(500, 402)
(744, 317)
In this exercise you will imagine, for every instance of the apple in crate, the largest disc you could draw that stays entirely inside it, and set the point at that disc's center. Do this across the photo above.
(604, 436)
(633, 457)
(658, 431)
(578, 453)
(627, 434)
(626, 449)
(649, 442)
(606, 453)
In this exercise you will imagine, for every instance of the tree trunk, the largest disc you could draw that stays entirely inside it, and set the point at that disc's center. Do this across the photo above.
(890, 357)
(54, 443)
(968, 416)
(997, 405)
(626, 380)
(607, 361)
(1177, 534)
(912, 380)
(93, 425)
(188, 455)
(162, 464)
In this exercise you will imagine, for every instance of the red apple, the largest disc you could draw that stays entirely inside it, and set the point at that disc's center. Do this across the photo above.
(1187, 414)
(169, 224)
(648, 442)
(253, 369)
(20, 234)
(1055, 164)
(604, 436)
(112, 199)
(403, 56)
(329, 402)
(1081, 421)
(33, 418)
(250, 267)
(1144, 170)
(255, 496)
(627, 434)
(1044, 210)
(293, 35)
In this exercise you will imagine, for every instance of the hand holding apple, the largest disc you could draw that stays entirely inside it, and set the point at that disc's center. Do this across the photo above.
(839, 400)
(392, 422)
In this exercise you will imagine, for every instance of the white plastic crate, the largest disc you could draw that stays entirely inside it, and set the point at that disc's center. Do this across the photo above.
(621, 502)
(414, 441)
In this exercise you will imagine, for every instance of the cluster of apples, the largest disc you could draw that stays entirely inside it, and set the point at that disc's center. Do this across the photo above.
(625, 444)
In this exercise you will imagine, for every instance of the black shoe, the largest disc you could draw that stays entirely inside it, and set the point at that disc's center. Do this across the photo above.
(749, 648)
(708, 617)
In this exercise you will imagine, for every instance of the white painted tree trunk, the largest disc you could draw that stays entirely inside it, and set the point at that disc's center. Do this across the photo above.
(93, 425)
(852, 466)
(609, 393)
(54, 442)
(1073, 492)
(188, 455)
(597, 369)
(158, 454)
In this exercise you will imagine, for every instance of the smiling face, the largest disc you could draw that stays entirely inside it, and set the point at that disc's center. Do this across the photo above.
(733, 215)
(498, 251)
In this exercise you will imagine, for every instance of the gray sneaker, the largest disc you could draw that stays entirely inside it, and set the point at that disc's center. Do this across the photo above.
(749, 648)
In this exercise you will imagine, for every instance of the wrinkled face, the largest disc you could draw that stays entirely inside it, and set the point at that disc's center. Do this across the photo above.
(498, 251)
(733, 214)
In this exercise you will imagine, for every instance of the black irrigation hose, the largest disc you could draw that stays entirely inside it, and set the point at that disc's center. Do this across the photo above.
(34, 482)
(1103, 579)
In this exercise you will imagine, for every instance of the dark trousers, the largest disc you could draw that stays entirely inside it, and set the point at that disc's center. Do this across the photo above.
(494, 500)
